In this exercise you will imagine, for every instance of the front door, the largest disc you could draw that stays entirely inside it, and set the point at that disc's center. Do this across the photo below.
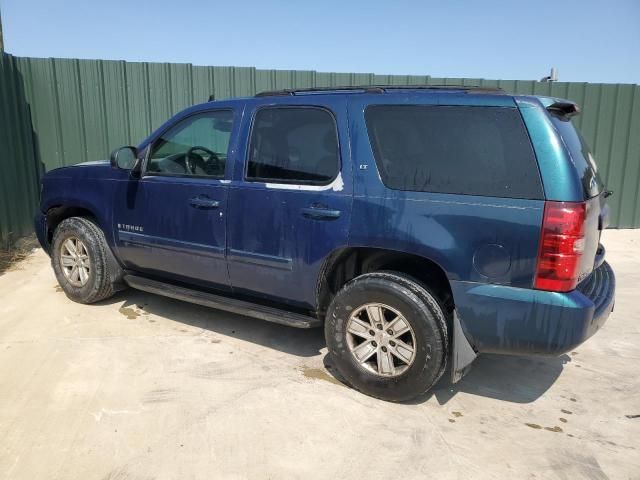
(291, 206)
(171, 222)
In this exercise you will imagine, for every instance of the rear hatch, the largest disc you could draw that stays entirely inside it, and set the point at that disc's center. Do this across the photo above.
(597, 210)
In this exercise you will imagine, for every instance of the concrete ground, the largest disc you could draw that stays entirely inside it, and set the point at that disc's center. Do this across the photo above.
(143, 387)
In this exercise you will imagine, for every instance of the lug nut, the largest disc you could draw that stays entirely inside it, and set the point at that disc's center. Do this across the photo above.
(372, 333)
(374, 344)
(390, 332)
(392, 343)
(384, 349)
(379, 326)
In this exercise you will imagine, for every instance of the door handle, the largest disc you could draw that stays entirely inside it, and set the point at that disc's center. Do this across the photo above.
(203, 202)
(320, 213)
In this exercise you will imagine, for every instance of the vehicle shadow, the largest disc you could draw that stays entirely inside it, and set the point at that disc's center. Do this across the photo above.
(294, 341)
(516, 379)
(510, 378)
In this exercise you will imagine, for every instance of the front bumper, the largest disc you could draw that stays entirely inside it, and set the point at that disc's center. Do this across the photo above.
(503, 319)
(40, 227)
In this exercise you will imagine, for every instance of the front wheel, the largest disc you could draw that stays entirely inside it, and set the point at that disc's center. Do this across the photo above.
(387, 335)
(83, 264)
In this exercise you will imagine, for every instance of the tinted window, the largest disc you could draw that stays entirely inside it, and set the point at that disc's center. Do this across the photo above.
(196, 146)
(466, 150)
(293, 145)
(580, 155)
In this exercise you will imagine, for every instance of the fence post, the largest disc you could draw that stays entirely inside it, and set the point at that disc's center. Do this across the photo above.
(1, 40)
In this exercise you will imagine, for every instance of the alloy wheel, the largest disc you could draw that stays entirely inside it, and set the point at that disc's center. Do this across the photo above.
(381, 340)
(75, 262)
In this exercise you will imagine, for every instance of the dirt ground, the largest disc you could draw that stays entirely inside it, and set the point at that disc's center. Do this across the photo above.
(143, 387)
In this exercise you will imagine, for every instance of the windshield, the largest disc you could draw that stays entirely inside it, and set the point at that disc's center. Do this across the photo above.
(580, 154)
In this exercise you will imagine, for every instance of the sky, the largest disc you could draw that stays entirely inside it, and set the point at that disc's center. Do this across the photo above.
(586, 40)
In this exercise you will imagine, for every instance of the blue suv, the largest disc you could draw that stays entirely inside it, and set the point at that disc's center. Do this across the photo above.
(417, 224)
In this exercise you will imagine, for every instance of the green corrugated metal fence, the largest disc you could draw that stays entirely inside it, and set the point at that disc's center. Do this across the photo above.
(82, 109)
(19, 174)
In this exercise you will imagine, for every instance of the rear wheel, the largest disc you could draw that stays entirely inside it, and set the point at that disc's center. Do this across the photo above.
(83, 264)
(387, 335)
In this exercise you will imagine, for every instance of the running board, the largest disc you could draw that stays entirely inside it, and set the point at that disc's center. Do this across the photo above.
(232, 305)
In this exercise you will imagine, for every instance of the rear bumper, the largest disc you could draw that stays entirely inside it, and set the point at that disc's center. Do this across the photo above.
(502, 319)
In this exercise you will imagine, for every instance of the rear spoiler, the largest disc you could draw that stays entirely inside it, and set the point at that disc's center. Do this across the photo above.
(564, 108)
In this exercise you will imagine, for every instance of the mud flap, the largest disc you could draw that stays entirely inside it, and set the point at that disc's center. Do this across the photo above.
(463, 353)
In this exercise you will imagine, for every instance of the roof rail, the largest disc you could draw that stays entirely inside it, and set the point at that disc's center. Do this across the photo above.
(376, 89)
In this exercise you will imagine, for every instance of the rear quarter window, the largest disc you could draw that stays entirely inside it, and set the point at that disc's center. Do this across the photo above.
(454, 149)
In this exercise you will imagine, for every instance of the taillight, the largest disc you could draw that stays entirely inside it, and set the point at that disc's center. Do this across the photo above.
(561, 246)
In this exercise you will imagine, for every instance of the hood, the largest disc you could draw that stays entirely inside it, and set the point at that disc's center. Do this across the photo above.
(92, 162)
(96, 168)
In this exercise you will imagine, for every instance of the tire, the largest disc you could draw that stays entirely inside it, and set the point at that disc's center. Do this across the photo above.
(395, 295)
(104, 275)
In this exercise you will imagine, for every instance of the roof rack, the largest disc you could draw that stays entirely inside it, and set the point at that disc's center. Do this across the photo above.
(376, 89)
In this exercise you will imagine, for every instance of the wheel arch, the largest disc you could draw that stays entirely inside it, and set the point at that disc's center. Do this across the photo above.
(55, 214)
(347, 263)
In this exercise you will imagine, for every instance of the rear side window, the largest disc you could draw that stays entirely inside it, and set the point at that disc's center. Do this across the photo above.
(449, 149)
(293, 145)
(581, 156)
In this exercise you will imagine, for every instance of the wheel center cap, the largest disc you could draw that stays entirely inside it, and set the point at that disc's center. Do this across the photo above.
(382, 338)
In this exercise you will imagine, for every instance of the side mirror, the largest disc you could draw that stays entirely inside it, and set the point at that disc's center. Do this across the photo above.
(125, 158)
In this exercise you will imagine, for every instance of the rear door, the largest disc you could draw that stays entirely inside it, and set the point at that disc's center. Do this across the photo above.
(172, 222)
(290, 206)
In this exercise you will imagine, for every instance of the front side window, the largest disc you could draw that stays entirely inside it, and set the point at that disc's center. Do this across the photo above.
(293, 145)
(197, 146)
(468, 150)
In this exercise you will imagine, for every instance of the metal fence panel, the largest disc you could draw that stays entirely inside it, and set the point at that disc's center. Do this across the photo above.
(82, 109)
(18, 169)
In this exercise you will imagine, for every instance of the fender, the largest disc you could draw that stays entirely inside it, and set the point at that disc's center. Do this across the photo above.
(90, 194)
